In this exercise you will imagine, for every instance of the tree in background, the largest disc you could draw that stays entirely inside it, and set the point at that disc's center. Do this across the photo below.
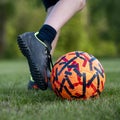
(94, 30)
(6, 11)
(105, 23)
(113, 16)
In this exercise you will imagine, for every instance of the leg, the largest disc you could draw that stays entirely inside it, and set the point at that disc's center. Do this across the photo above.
(57, 15)
(62, 12)
(54, 43)
(37, 46)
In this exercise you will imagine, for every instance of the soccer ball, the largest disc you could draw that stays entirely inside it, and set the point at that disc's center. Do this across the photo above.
(77, 75)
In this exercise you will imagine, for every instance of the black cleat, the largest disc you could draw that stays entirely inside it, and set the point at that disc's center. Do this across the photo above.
(38, 55)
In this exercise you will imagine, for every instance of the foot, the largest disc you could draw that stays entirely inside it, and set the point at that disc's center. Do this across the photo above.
(38, 55)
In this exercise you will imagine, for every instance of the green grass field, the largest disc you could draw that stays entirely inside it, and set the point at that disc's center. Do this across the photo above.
(17, 103)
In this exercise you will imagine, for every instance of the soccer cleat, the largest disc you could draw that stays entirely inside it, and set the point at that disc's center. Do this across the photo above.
(38, 57)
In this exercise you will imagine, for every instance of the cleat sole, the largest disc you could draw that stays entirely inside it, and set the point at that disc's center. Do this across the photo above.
(35, 72)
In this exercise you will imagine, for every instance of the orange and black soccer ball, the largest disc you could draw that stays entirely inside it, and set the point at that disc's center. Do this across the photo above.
(77, 75)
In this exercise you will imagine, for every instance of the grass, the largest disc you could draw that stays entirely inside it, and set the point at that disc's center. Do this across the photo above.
(17, 103)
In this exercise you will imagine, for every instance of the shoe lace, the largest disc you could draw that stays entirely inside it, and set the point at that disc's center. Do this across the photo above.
(50, 62)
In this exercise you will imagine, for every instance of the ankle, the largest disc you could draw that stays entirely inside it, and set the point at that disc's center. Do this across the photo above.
(47, 34)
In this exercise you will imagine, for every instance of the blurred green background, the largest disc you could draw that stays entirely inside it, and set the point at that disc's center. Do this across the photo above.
(94, 30)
